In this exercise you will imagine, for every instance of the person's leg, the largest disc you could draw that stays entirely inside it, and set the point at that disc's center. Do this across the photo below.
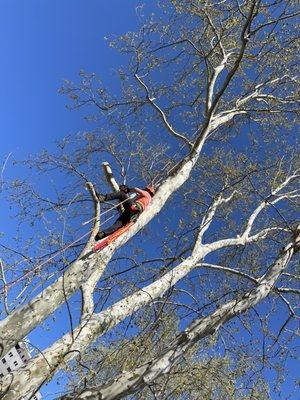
(127, 206)
(106, 232)
(121, 221)
(124, 219)
(118, 224)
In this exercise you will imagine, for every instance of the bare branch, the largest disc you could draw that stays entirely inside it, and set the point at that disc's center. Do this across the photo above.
(230, 270)
(275, 21)
(244, 41)
(112, 181)
(162, 115)
(5, 288)
(207, 219)
(272, 199)
(3, 169)
(288, 290)
(132, 381)
(291, 275)
(96, 226)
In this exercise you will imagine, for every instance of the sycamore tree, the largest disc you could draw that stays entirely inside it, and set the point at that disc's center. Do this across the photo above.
(200, 295)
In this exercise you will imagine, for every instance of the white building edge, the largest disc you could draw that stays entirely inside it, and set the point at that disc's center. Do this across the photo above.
(15, 358)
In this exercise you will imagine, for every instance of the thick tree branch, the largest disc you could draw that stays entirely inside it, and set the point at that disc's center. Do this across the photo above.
(112, 181)
(21, 321)
(98, 324)
(5, 289)
(236, 65)
(132, 381)
(85, 271)
(24, 319)
(96, 225)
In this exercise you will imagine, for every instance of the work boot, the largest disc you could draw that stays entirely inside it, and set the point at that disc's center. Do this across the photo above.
(100, 235)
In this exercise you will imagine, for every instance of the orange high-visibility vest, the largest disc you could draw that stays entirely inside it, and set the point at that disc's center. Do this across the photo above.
(144, 199)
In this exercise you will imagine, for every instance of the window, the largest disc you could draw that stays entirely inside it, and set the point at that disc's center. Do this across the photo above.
(10, 354)
(15, 363)
(17, 346)
(8, 369)
(3, 360)
(1, 375)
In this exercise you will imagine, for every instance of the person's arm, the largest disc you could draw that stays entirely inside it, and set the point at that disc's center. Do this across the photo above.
(137, 190)
(120, 195)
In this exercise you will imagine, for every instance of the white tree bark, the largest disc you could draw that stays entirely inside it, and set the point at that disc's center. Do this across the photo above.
(112, 181)
(44, 365)
(85, 271)
(22, 321)
(132, 381)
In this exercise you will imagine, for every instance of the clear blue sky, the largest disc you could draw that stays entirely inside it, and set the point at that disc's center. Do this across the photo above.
(43, 42)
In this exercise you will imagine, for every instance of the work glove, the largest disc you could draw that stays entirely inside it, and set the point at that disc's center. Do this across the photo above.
(124, 188)
(101, 197)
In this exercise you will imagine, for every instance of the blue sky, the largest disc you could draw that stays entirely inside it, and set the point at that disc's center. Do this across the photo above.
(43, 42)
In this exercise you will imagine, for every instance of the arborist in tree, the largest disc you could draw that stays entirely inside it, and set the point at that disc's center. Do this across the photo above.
(134, 201)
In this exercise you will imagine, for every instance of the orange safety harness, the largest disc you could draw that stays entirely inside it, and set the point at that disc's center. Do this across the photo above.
(142, 201)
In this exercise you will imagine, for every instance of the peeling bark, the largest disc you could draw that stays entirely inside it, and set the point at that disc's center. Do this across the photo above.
(20, 322)
(85, 271)
(24, 320)
(43, 366)
(133, 381)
